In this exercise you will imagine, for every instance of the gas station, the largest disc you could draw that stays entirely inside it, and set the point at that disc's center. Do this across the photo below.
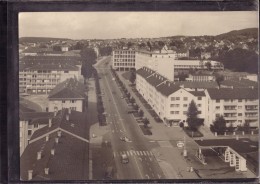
(232, 151)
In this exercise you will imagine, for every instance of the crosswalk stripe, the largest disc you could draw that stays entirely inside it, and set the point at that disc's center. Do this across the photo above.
(137, 153)
(148, 153)
(151, 153)
(131, 153)
(144, 153)
(134, 152)
(128, 153)
(114, 153)
(141, 153)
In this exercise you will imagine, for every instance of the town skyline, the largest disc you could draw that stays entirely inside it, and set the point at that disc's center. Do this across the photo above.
(71, 25)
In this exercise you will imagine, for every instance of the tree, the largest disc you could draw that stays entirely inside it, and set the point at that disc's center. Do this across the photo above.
(146, 122)
(219, 78)
(208, 65)
(132, 76)
(182, 76)
(88, 55)
(192, 116)
(129, 45)
(141, 113)
(161, 43)
(181, 125)
(132, 100)
(149, 45)
(219, 125)
(246, 127)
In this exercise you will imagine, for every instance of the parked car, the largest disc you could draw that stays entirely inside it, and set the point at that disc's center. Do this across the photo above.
(124, 139)
(124, 159)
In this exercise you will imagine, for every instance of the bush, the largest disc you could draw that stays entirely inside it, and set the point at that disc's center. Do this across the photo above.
(192, 133)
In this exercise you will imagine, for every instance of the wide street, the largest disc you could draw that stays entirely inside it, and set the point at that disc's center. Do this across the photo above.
(142, 163)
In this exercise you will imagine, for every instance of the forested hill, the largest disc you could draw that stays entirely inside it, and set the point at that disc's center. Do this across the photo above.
(243, 33)
(39, 39)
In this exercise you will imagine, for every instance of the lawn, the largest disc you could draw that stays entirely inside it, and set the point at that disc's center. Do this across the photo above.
(191, 133)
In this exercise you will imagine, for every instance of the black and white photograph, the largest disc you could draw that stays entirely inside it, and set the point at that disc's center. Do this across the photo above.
(138, 95)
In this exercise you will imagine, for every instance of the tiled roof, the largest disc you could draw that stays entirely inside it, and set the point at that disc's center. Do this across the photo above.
(34, 115)
(198, 84)
(69, 162)
(69, 89)
(35, 50)
(197, 93)
(144, 72)
(236, 93)
(155, 79)
(72, 60)
(240, 146)
(239, 83)
(49, 67)
(167, 88)
(76, 125)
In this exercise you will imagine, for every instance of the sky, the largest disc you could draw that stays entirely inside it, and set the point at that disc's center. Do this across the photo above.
(110, 25)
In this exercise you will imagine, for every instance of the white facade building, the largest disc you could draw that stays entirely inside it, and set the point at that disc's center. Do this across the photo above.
(123, 59)
(237, 106)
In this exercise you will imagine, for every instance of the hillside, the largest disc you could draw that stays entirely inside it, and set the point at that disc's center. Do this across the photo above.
(39, 39)
(250, 32)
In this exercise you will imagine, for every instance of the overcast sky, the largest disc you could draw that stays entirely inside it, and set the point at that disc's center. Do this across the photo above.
(107, 25)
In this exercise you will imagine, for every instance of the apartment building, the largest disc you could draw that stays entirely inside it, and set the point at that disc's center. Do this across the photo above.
(59, 150)
(40, 74)
(68, 94)
(30, 122)
(237, 106)
(200, 77)
(168, 99)
(123, 59)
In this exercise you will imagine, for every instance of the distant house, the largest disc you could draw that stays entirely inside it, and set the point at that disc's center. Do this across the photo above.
(58, 151)
(200, 77)
(205, 55)
(68, 94)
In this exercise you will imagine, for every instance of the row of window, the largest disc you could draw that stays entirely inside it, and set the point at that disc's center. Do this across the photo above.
(184, 98)
(232, 100)
(70, 101)
(184, 105)
(184, 112)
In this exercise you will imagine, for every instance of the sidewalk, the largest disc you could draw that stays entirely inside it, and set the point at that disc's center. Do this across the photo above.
(159, 130)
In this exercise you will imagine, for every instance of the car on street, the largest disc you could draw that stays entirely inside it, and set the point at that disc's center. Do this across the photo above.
(124, 139)
(124, 159)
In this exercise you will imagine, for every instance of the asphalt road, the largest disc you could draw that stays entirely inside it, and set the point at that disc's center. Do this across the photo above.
(142, 163)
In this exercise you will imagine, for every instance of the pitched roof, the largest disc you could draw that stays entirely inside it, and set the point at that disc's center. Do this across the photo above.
(167, 88)
(198, 84)
(144, 72)
(239, 83)
(197, 93)
(155, 79)
(69, 89)
(72, 60)
(34, 115)
(236, 93)
(70, 161)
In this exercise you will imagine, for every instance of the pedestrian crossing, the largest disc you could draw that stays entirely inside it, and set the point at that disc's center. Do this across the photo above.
(133, 153)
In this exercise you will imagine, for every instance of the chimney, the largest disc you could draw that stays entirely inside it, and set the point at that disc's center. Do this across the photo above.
(39, 155)
(46, 171)
(49, 122)
(69, 111)
(59, 133)
(47, 138)
(52, 151)
(30, 172)
(57, 140)
(67, 117)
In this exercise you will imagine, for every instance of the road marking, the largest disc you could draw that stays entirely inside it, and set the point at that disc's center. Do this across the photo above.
(131, 153)
(134, 152)
(128, 153)
(114, 153)
(137, 153)
(144, 153)
(159, 176)
(141, 153)
(151, 153)
(153, 175)
(150, 159)
(147, 176)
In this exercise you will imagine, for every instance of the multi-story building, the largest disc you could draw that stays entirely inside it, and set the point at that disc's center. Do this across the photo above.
(29, 123)
(237, 106)
(168, 100)
(200, 77)
(68, 94)
(40, 74)
(59, 150)
(123, 59)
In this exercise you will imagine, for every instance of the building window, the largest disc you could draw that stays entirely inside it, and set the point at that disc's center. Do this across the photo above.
(239, 100)
(217, 107)
(217, 101)
(217, 115)
(174, 112)
(177, 98)
(185, 98)
(172, 98)
(66, 71)
(63, 101)
(72, 101)
(239, 107)
(199, 98)
(199, 112)
(29, 132)
(184, 112)
(35, 125)
(185, 105)
(239, 114)
(199, 105)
